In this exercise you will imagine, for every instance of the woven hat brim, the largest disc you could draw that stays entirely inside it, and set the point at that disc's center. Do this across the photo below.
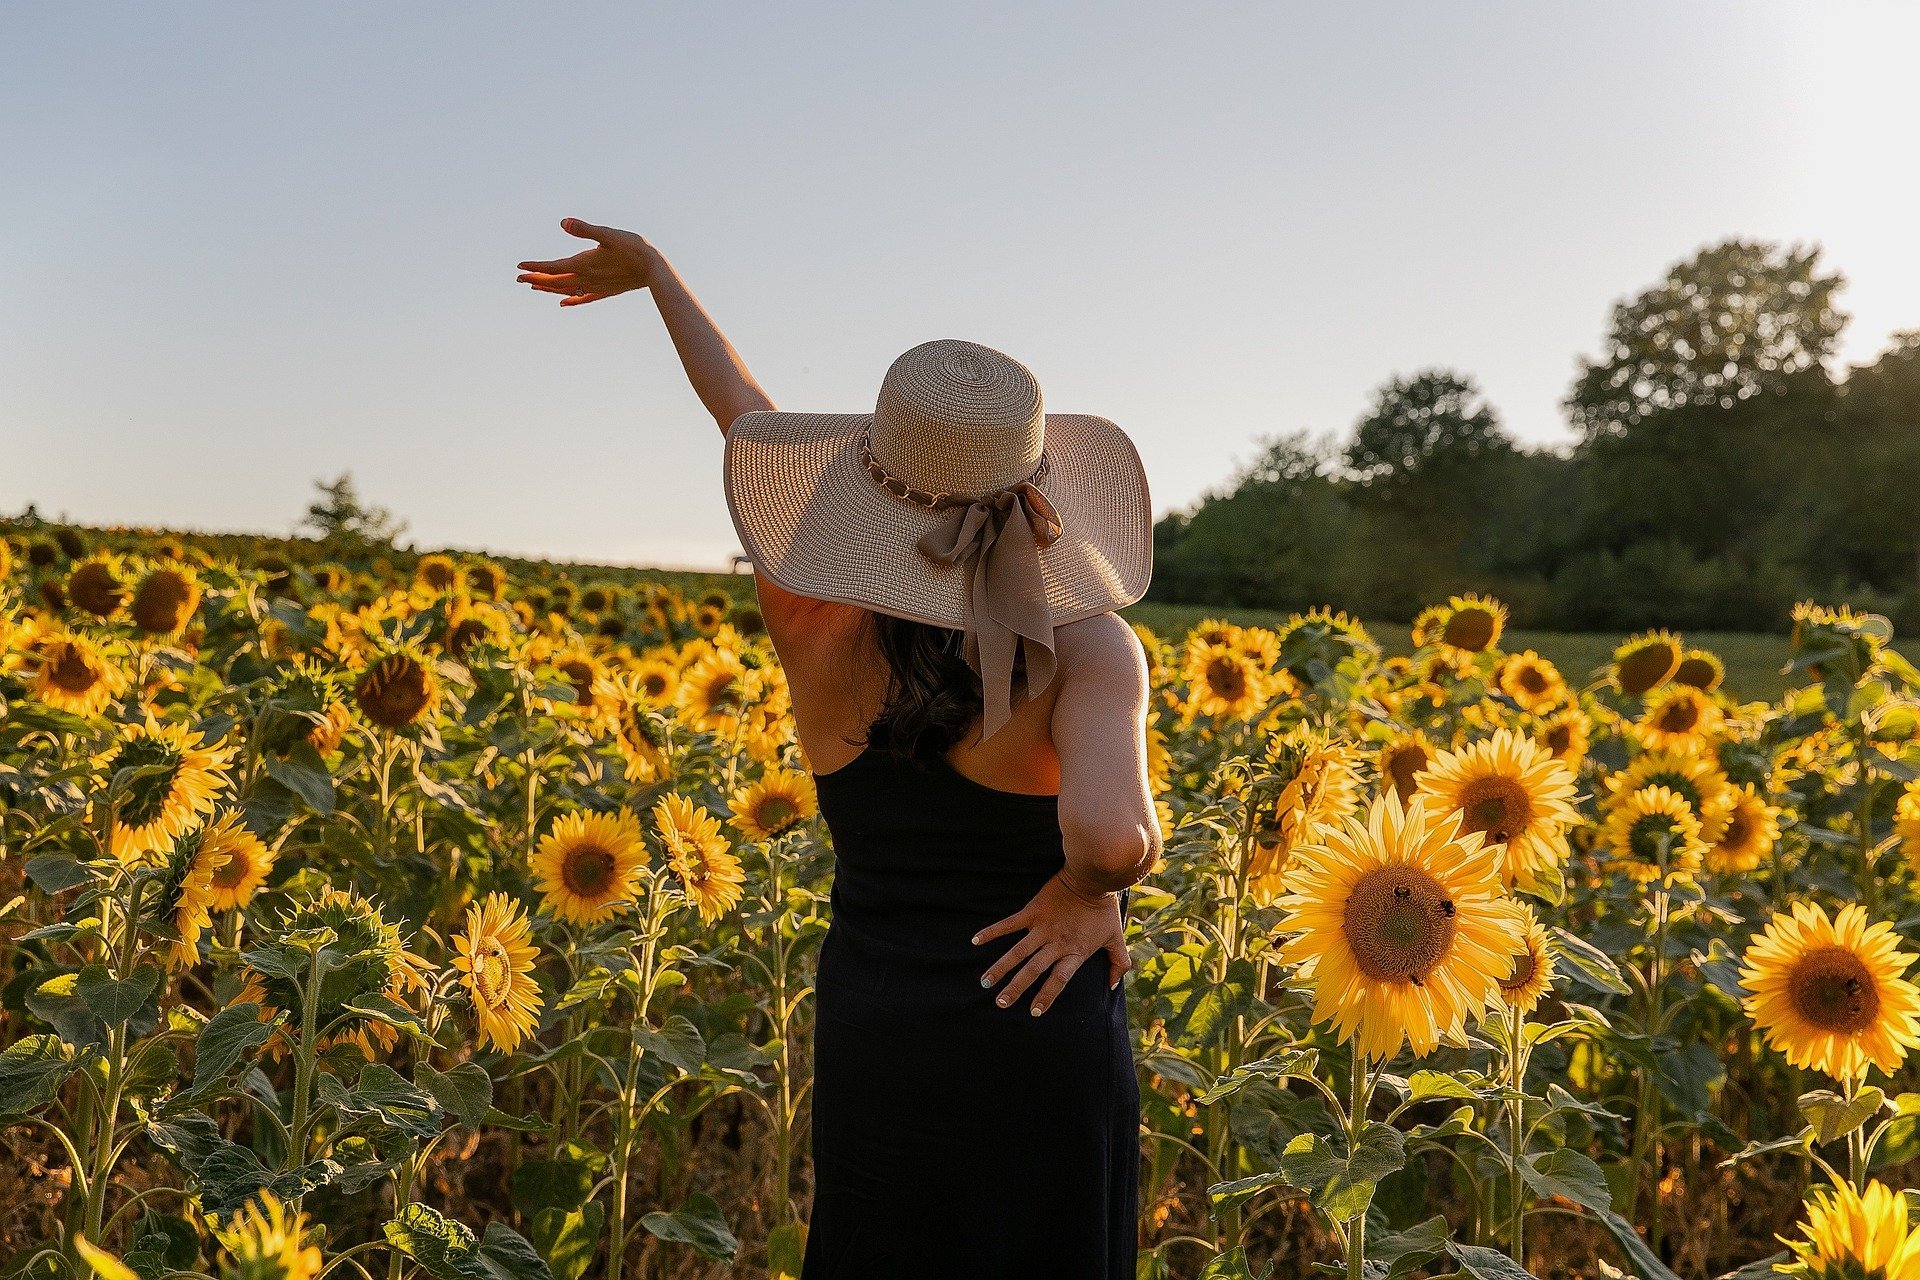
(811, 518)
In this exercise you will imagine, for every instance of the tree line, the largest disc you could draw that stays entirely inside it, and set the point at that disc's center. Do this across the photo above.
(1723, 470)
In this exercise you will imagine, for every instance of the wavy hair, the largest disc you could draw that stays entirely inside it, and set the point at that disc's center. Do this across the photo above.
(933, 696)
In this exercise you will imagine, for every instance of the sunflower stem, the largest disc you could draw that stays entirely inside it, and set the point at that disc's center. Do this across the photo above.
(1360, 1091)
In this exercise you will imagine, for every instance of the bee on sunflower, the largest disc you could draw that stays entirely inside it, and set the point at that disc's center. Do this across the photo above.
(181, 778)
(697, 851)
(587, 866)
(774, 803)
(495, 957)
(1653, 834)
(1398, 922)
(1509, 789)
(1832, 993)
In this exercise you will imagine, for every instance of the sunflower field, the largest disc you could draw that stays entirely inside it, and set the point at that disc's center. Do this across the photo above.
(396, 916)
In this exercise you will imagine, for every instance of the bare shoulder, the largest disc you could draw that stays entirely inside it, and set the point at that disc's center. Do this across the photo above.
(1102, 649)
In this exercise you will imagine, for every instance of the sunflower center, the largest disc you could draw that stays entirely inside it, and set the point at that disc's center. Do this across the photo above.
(160, 605)
(395, 693)
(1496, 805)
(1833, 989)
(1469, 629)
(1737, 832)
(655, 685)
(1525, 965)
(1558, 740)
(1681, 715)
(230, 873)
(72, 672)
(1226, 679)
(492, 975)
(587, 870)
(776, 812)
(1400, 923)
(1646, 667)
(1405, 765)
(1533, 680)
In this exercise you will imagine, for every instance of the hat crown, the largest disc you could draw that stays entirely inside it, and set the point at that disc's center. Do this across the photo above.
(958, 418)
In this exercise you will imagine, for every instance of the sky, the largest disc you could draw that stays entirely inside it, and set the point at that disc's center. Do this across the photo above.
(247, 246)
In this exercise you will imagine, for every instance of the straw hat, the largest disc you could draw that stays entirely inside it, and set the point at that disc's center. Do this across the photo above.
(958, 501)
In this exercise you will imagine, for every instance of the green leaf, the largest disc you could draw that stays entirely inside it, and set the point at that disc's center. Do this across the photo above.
(161, 1243)
(698, 1223)
(1227, 1195)
(1487, 1264)
(1428, 1085)
(1833, 1117)
(539, 1185)
(1568, 1174)
(56, 872)
(115, 1000)
(447, 1250)
(1292, 1063)
(1233, 1265)
(569, 1241)
(1687, 1077)
(32, 1069)
(1644, 1262)
(232, 1032)
(678, 1042)
(1401, 1251)
(1342, 1186)
(465, 1090)
(384, 1095)
(786, 1250)
(498, 1119)
(1802, 1141)
(1587, 962)
(304, 773)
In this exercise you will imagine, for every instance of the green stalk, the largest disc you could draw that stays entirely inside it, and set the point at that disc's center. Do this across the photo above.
(1360, 1092)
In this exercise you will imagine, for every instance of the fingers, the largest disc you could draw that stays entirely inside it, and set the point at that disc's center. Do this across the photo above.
(558, 264)
(1063, 969)
(585, 230)
(1000, 928)
(580, 299)
(1004, 965)
(1119, 960)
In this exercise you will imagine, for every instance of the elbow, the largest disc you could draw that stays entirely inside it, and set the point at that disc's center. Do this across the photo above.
(1118, 853)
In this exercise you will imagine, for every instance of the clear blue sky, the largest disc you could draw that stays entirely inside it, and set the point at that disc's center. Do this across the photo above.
(247, 245)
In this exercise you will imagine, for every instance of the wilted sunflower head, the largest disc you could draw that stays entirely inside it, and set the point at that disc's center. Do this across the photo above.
(71, 543)
(98, 585)
(1646, 661)
(1832, 994)
(1473, 624)
(41, 553)
(165, 599)
(747, 620)
(397, 690)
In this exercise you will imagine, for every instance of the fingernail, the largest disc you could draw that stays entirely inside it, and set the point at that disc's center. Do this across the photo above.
(1036, 1011)
(976, 939)
(1002, 1002)
(986, 982)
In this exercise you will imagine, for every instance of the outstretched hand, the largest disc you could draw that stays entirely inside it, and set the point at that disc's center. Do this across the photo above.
(1063, 931)
(618, 262)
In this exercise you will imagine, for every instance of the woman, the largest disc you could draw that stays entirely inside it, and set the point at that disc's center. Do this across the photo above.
(939, 579)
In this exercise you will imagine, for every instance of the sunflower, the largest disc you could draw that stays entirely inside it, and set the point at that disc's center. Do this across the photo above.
(708, 617)
(158, 807)
(1401, 761)
(1473, 623)
(248, 862)
(1679, 718)
(495, 958)
(698, 852)
(266, 1242)
(1399, 923)
(1428, 624)
(185, 901)
(1152, 647)
(1646, 661)
(1832, 994)
(1532, 973)
(437, 573)
(1159, 760)
(1510, 789)
(72, 675)
(1697, 779)
(587, 865)
(1316, 639)
(98, 585)
(165, 599)
(1700, 669)
(1906, 824)
(777, 801)
(595, 700)
(471, 623)
(641, 738)
(1565, 736)
(486, 579)
(713, 691)
(1652, 827)
(369, 956)
(1222, 682)
(1851, 1235)
(398, 690)
(1313, 781)
(1532, 681)
(1752, 826)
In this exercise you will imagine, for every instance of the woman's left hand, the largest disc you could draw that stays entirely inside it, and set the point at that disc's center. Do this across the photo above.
(1063, 931)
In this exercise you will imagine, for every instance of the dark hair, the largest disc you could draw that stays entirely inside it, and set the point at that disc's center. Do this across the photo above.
(933, 696)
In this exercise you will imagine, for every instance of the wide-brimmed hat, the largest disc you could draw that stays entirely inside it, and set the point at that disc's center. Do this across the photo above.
(959, 501)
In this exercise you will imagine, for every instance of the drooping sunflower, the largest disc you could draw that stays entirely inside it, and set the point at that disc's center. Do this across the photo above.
(595, 703)
(1317, 639)
(713, 691)
(1701, 669)
(71, 674)
(1402, 759)
(1474, 623)
(1306, 780)
(1832, 994)
(642, 738)
(1565, 735)
(1399, 923)
(1428, 624)
(158, 807)
(1531, 974)
(698, 853)
(185, 901)
(98, 585)
(587, 866)
(1532, 681)
(1651, 828)
(1748, 835)
(1697, 779)
(1853, 1235)
(266, 1242)
(398, 690)
(1511, 790)
(248, 861)
(1679, 718)
(775, 802)
(495, 958)
(1906, 824)
(165, 599)
(1222, 682)
(1646, 661)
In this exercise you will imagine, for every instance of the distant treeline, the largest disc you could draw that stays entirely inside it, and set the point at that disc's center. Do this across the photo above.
(1723, 472)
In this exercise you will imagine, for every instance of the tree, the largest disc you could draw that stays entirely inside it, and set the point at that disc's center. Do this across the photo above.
(1431, 426)
(1737, 319)
(341, 516)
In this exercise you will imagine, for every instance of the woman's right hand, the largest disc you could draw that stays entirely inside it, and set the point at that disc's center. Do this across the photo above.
(618, 262)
